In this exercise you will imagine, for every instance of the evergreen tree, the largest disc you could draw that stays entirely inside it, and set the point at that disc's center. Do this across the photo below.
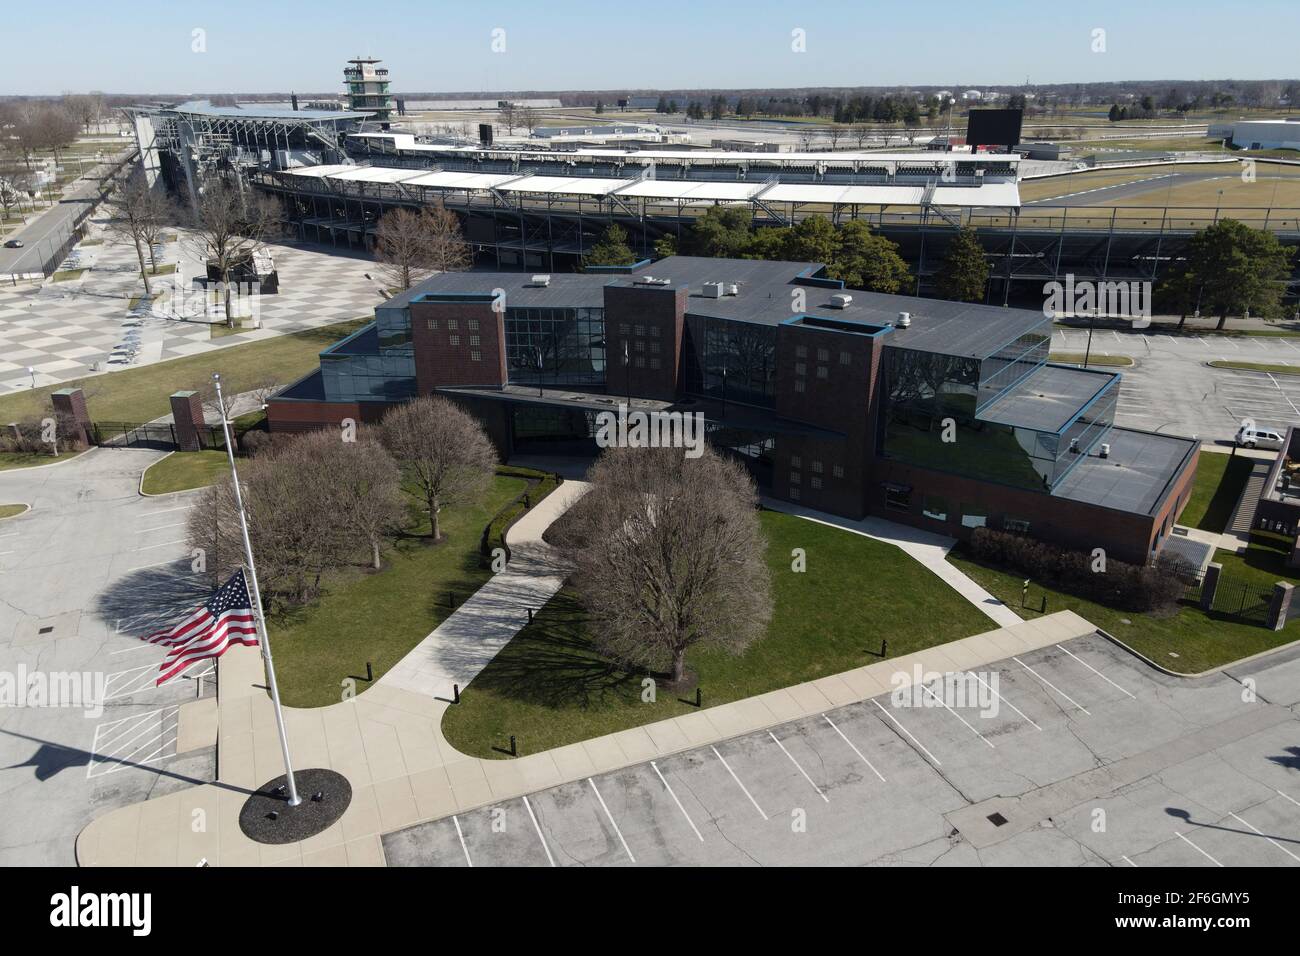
(612, 249)
(965, 272)
(1240, 268)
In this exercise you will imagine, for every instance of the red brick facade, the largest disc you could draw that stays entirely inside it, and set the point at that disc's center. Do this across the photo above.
(645, 324)
(458, 343)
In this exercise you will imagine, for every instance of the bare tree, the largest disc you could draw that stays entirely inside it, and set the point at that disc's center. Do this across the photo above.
(138, 212)
(834, 134)
(508, 116)
(365, 486)
(447, 456)
(861, 133)
(411, 245)
(229, 227)
(668, 553)
(529, 119)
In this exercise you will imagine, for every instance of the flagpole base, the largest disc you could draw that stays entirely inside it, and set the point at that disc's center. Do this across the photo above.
(267, 817)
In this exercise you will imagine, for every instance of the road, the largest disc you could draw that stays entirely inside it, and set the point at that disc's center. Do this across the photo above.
(1093, 758)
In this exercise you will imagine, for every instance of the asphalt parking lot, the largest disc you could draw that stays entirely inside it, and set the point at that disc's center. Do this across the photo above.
(1092, 758)
(1172, 390)
(91, 567)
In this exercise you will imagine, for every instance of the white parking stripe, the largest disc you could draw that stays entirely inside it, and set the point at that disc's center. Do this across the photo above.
(178, 524)
(1050, 685)
(799, 768)
(931, 757)
(1128, 861)
(945, 706)
(610, 817)
(166, 511)
(738, 783)
(460, 836)
(655, 768)
(165, 544)
(1004, 700)
(1097, 672)
(158, 564)
(532, 816)
(1197, 848)
(853, 748)
(1268, 838)
(1285, 797)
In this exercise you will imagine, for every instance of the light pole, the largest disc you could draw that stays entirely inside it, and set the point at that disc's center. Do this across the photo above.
(32, 372)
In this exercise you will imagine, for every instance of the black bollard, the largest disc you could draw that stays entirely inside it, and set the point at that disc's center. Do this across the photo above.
(530, 615)
(451, 599)
(455, 693)
(884, 647)
(699, 697)
(1044, 611)
(514, 752)
(370, 674)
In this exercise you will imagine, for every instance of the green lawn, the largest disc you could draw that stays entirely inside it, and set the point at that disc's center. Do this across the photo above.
(68, 275)
(549, 687)
(1188, 641)
(1258, 367)
(141, 394)
(9, 511)
(183, 470)
(25, 459)
(1264, 561)
(380, 616)
(1215, 491)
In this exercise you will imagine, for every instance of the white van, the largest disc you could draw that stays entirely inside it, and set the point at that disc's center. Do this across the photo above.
(1260, 438)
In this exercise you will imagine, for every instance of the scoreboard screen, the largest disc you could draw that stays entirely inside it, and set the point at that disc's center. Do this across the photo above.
(994, 128)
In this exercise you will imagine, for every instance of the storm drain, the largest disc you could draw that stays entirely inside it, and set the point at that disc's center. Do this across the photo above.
(997, 819)
(46, 630)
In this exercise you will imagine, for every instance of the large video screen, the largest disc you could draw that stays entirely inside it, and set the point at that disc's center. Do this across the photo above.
(994, 128)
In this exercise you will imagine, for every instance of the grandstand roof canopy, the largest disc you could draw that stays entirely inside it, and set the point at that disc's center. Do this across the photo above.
(994, 194)
(251, 112)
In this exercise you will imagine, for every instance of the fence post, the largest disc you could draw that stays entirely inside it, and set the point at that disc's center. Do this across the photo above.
(1279, 605)
(1209, 585)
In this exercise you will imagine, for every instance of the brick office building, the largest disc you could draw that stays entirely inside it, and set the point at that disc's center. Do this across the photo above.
(943, 415)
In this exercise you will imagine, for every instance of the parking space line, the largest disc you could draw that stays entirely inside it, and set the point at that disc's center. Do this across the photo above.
(158, 564)
(150, 514)
(610, 817)
(1268, 838)
(532, 816)
(1197, 848)
(932, 758)
(1095, 671)
(161, 527)
(165, 544)
(1051, 685)
(1128, 861)
(1285, 797)
(461, 836)
(655, 768)
(738, 783)
(799, 768)
(853, 748)
(1283, 393)
(1005, 701)
(945, 706)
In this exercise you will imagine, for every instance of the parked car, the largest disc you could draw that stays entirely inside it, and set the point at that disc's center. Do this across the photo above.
(13, 244)
(1260, 438)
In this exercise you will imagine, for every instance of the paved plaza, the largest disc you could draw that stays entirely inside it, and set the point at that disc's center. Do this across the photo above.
(98, 320)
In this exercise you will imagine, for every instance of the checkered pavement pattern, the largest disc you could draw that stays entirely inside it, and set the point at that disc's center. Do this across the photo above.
(69, 329)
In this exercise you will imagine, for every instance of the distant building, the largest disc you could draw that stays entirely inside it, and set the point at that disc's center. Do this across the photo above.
(366, 85)
(972, 96)
(1266, 134)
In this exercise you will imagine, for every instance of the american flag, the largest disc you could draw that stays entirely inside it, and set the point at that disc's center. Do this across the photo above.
(227, 618)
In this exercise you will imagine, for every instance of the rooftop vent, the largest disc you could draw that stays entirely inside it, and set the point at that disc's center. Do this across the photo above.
(841, 300)
(1074, 446)
(904, 320)
(733, 289)
(542, 281)
(1105, 449)
(713, 290)
(652, 280)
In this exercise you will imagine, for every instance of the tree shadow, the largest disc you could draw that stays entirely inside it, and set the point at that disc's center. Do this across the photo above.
(152, 599)
(1290, 760)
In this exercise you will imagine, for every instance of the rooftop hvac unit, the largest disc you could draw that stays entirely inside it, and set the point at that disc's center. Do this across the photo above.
(713, 290)
(542, 281)
(841, 300)
(1105, 449)
(1074, 446)
(733, 289)
(904, 320)
(653, 280)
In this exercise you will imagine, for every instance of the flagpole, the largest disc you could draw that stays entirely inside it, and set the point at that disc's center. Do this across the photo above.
(294, 799)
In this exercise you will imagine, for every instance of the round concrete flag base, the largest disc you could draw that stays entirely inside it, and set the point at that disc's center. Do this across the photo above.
(268, 818)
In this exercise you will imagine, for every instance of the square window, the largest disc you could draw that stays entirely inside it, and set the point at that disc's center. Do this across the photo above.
(472, 325)
(1018, 525)
(794, 494)
(625, 328)
(815, 482)
(823, 355)
(654, 331)
(476, 356)
(640, 345)
(451, 324)
(935, 507)
(640, 330)
(837, 471)
(654, 347)
(640, 361)
(800, 368)
(817, 466)
(898, 498)
(453, 340)
(796, 478)
(800, 351)
(432, 324)
(821, 371)
(845, 358)
(654, 362)
(798, 385)
(796, 461)
(473, 340)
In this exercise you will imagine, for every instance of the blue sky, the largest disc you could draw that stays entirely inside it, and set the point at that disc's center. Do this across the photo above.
(264, 45)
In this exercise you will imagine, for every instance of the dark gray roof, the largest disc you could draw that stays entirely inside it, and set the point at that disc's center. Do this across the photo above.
(1048, 398)
(1136, 475)
(766, 296)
